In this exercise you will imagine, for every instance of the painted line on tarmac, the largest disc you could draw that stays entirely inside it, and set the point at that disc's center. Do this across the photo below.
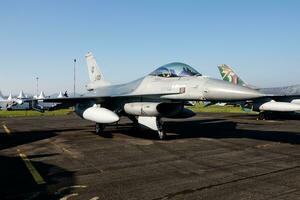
(35, 174)
(95, 198)
(69, 152)
(62, 190)
(264, 146)
(72, 155)
(63, 149)
(69, 196)
(6, 129)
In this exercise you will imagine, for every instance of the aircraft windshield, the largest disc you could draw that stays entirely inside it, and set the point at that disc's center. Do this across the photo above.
(175, 70)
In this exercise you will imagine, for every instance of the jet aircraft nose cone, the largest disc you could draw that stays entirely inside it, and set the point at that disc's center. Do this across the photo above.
(218, 90)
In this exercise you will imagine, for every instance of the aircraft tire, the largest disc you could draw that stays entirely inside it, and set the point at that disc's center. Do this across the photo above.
(262, 116)
(265, 116)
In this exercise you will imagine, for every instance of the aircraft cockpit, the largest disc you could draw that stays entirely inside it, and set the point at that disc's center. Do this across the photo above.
(175, 70)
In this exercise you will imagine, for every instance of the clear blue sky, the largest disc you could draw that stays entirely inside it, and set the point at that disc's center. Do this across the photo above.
(260, 39)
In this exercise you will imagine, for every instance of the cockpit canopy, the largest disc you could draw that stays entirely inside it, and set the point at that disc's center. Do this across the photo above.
(175, 70)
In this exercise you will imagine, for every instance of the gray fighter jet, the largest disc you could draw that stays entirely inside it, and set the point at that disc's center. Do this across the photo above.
(280, 100)
(162, 93)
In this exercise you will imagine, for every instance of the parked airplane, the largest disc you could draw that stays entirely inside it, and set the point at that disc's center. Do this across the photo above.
(162, 93)
(282, 99)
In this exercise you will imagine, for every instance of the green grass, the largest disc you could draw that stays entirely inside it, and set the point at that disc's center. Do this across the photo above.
(31, 113)
(199, 107)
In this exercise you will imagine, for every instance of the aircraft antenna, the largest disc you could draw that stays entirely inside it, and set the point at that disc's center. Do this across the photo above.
(37, 86)
(74, 77)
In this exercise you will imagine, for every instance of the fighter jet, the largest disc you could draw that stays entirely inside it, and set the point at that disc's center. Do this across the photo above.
(162, 93)
(280, 100)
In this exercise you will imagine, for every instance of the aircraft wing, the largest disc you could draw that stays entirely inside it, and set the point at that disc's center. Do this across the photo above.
(99, 99)
(73, 99)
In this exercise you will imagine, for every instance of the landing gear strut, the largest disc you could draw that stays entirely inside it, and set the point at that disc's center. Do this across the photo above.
(134, 120)
(161, 133)
(99, 128)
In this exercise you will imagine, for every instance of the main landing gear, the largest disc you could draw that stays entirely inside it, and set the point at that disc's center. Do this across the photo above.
(161, 133)
(154, 123)
(99, 128)
(264, 116)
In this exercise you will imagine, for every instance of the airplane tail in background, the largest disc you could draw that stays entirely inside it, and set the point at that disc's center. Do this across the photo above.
(96, 77)
(230, 76)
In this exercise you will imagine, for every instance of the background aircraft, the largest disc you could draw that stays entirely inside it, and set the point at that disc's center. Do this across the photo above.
(24, 102)
(162, 93)
(281, 100)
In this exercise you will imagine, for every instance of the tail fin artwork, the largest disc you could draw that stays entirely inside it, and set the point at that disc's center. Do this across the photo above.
(96, 77)
(230, 76)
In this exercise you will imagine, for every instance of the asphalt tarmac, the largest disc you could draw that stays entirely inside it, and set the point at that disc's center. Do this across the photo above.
(211, 156)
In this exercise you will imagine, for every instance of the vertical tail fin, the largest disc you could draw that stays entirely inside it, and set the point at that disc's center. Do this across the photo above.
(230, 76)
(94, 71)
(96, 77)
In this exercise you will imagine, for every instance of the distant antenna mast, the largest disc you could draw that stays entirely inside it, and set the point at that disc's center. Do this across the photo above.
(37, 86)
(74, 77)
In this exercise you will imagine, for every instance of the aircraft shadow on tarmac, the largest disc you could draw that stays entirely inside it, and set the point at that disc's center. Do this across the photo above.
(19, 138)
(215, 129)
(17, 183)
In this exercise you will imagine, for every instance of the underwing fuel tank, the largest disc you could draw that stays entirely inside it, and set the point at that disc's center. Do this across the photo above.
(100, 115)
(279, 107)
